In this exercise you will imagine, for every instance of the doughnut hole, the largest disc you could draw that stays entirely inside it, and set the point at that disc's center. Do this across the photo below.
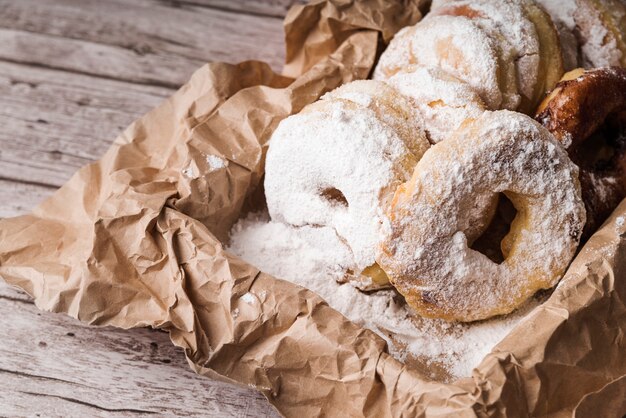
(601, 151)
(495, 242)
(334, 196)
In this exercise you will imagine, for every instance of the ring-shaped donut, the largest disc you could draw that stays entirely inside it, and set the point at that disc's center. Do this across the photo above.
(337, 163)
(587, 113)
(426, 253)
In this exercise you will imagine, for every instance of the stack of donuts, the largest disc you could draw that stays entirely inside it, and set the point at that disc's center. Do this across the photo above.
(465, 174)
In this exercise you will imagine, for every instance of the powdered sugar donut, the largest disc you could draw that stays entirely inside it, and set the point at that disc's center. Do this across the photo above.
(442, 100)
(456, 45)
(425, 252)
(515, 39)
(562, 14)
(390, 106)
(601, 29)
(338, 161)
(528, 46)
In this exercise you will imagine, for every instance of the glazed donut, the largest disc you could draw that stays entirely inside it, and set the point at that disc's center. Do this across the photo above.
(425, 251)
(587, 113)
(442, 100)
(601, 29)
(455, 45)
(339, 160)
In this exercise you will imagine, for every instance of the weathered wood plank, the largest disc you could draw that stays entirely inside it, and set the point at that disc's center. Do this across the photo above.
(275, 8)
(19, 198)
(52, 122)
(55, 366)
(144, 41)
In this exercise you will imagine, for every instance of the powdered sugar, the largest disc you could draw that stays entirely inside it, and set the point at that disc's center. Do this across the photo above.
(350, 158)
(397, 55)
(459, 47)
(562, 14)
(248, 298)
(316, 259)
(501, 151)
(560, 11)
(189, 172)
(515, 38)
(599, 45)
(443, 101)
(215, 162)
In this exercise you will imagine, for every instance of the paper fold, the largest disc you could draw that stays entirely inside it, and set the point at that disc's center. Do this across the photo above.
(135, 239)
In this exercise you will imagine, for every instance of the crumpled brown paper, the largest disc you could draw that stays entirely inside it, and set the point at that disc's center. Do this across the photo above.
(135, 240)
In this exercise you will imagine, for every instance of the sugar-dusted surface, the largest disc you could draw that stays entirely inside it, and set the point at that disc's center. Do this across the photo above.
(315, 258)
(426, 252)
(458, 46)
(515, 38)
(442, 100)
(335, 164)
(599, 43)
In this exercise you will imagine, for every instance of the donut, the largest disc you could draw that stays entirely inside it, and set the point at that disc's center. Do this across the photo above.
(515, 39)
(591, 31)
(443, 101)
(508, 51)
(562, 14)
(601, 30)
(339, 160)
(455, 45)
(551, 57)
(527, 42)
(587, 113)
(425, 251)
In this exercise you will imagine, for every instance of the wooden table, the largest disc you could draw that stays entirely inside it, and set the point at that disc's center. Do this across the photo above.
(73, 75)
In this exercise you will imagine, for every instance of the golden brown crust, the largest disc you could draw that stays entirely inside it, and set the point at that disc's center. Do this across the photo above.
(591, 105)
(550, 54)
(426, 252)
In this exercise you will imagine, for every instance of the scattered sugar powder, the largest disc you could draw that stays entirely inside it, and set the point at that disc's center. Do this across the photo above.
(314, 257)
(189, 172)
(248, 298)
(215, 162)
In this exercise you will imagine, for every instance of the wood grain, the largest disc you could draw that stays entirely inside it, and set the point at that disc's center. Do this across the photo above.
(274, 8)
(56, 366)
(54, 122)
(142, 41)
(73, 75)
(19, 198)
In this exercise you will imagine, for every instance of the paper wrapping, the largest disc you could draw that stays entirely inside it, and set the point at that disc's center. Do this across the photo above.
(135, 240)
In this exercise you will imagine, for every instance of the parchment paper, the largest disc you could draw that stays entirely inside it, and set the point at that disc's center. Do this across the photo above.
(135, 240)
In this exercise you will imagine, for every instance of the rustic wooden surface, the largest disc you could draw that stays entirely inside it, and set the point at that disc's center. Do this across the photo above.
(74, 74)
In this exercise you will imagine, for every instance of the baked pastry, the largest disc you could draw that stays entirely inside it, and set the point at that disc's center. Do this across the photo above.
(508, 51)
(454, 45)
(587, 113)
(443, 101)
(339, 160)
(592, 31)
(515, 38)
(425, 252)
(562, 15)
(601, 28)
